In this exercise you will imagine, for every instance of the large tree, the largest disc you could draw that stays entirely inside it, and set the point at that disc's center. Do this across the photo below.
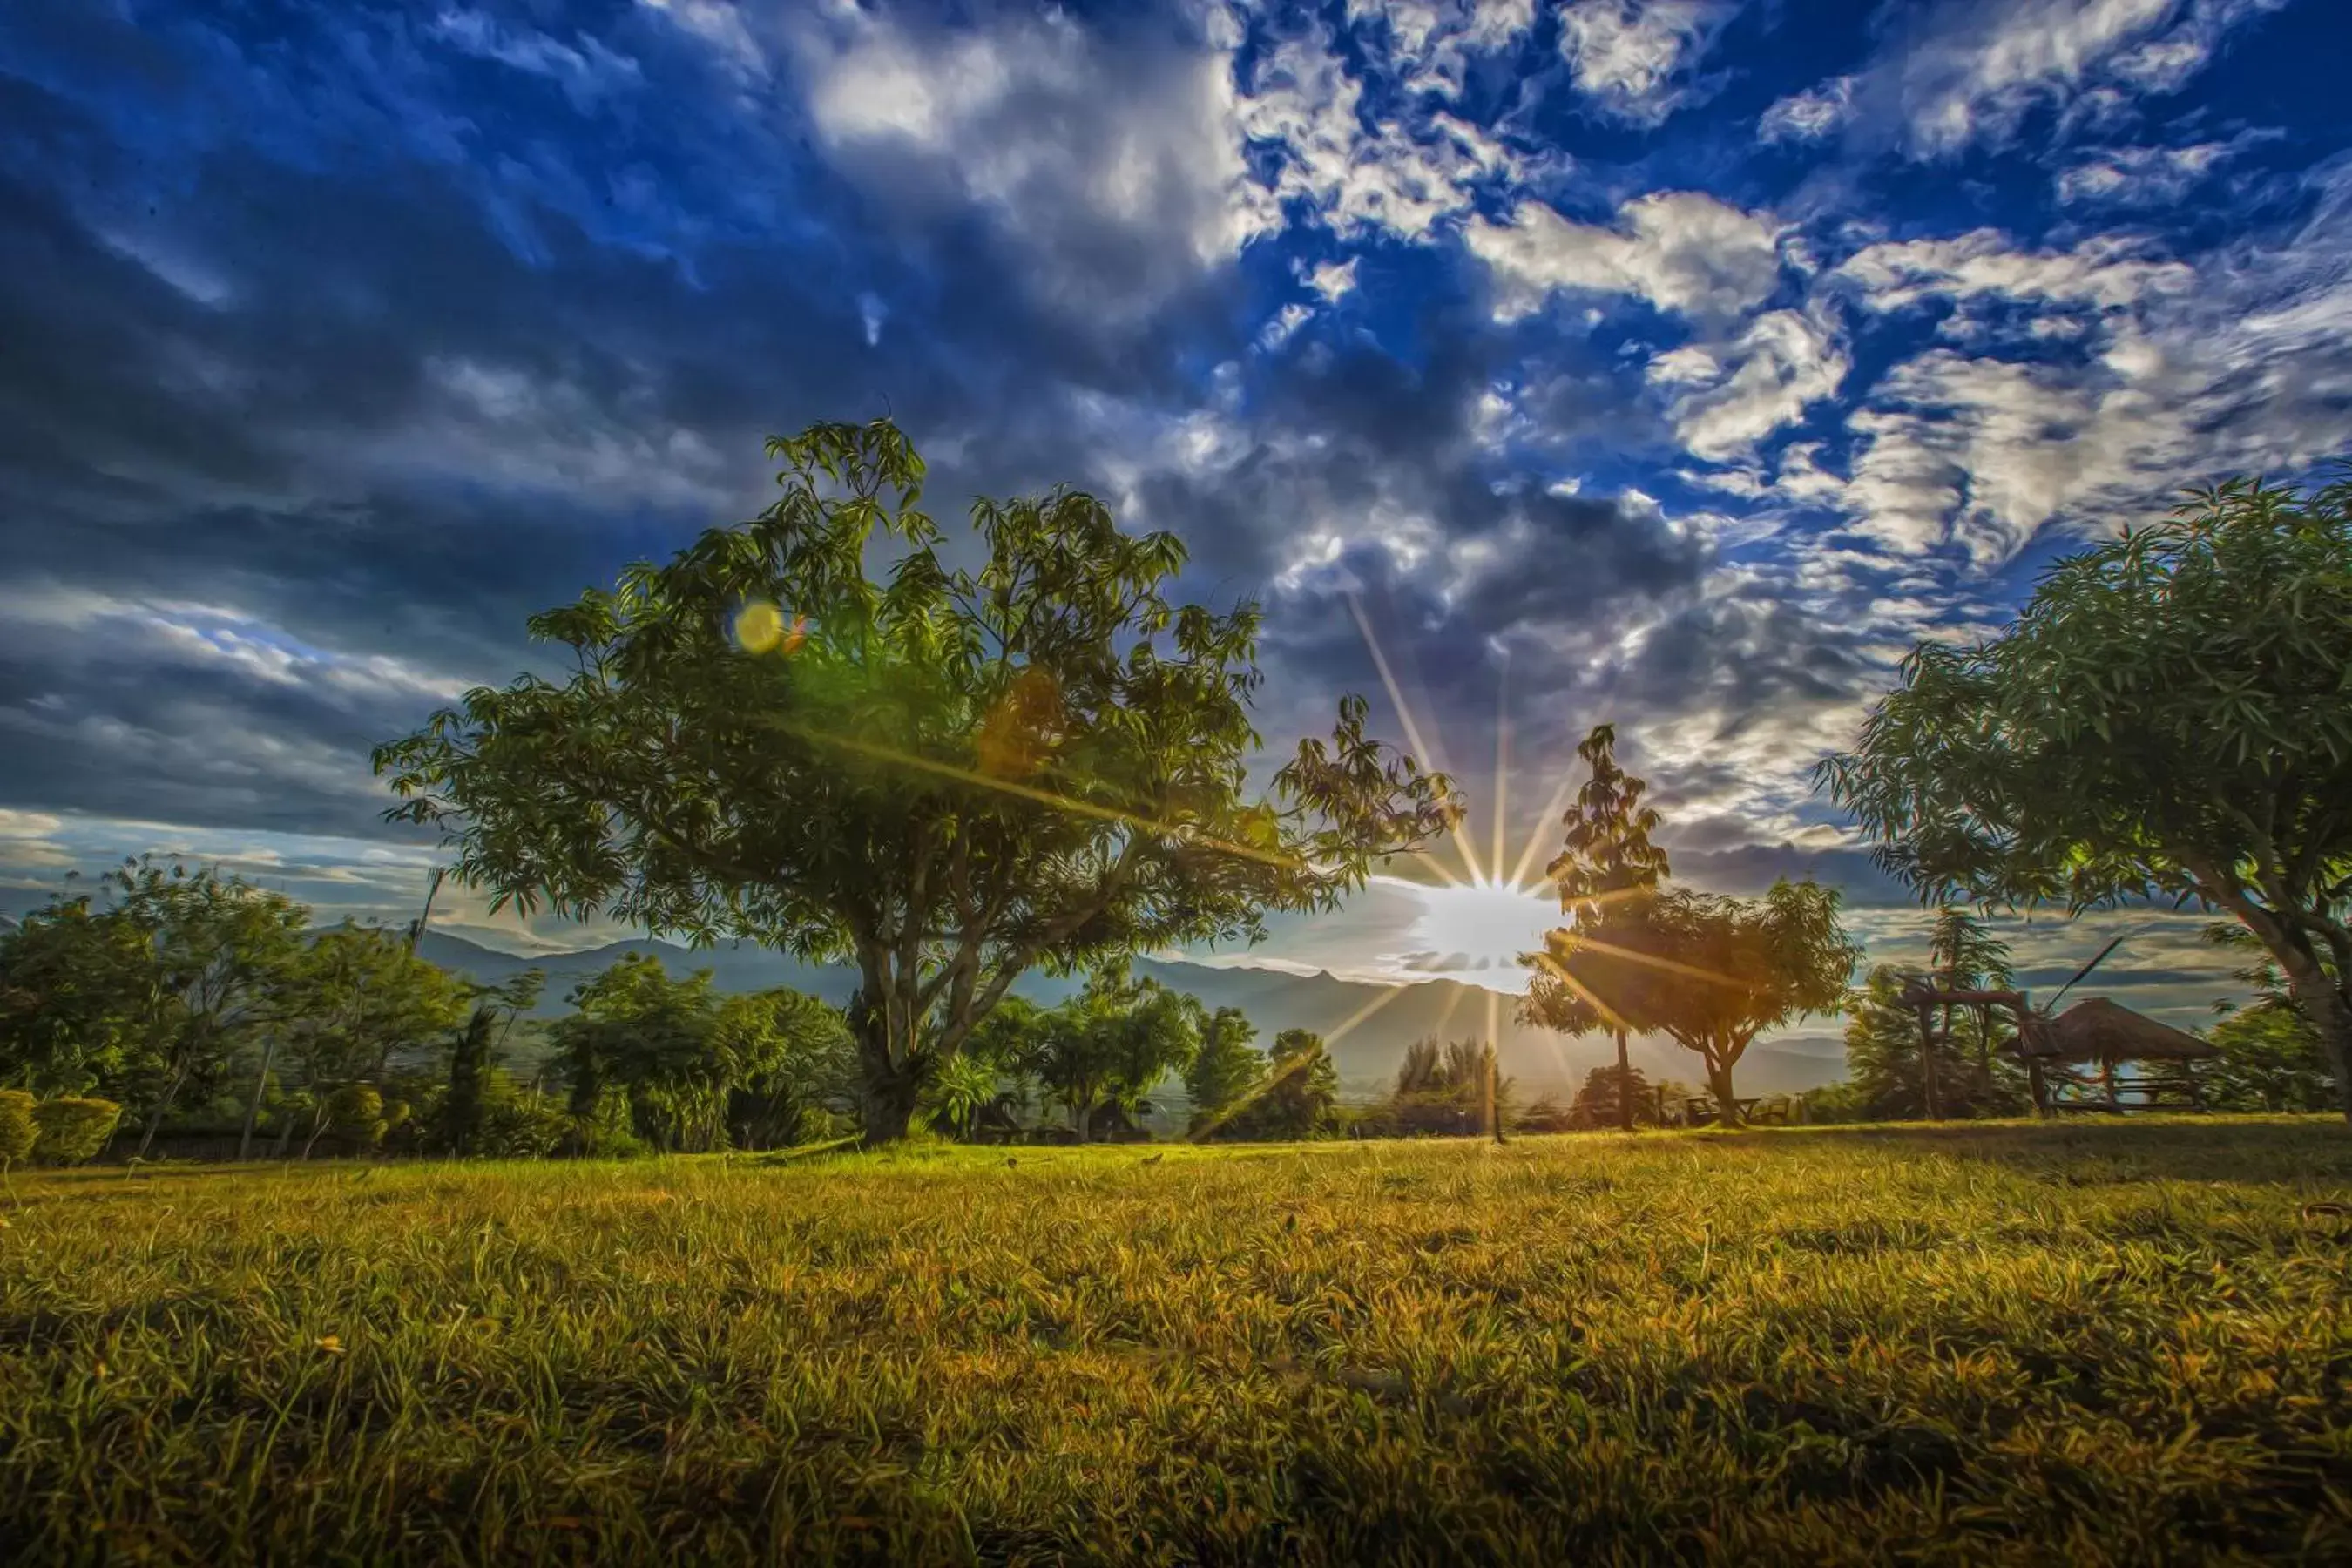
(946, 776)
(2170, 717)
(1711, 971)
(2271, 1057)
(1606, 865)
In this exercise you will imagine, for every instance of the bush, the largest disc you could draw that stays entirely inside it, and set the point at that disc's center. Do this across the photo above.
(73, 1130)
(18, 1129)
(355, 1114)
(518, 1125)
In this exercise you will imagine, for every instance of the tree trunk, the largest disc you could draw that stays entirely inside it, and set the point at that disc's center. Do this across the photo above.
(163, 1109)
(1624, 1086)
(1719, 1083)
(2330, 1016)
(1082, 1116)
(253, 1106)
(886, 1106)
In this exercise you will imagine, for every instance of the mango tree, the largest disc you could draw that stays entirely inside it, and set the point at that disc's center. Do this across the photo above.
(946, 775)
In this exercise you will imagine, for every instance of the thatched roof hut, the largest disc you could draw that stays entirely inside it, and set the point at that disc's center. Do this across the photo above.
(2098, 1030)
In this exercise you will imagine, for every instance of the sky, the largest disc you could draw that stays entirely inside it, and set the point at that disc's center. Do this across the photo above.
(1679, 363)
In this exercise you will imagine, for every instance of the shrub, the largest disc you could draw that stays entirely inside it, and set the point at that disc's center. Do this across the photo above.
(355, 1114)
(518, 1125)
(18, 1129)
(72, 1129)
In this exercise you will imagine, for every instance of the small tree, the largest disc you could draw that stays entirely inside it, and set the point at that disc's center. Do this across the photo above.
(1712, 973)
(1227, 1071)
(2271, 1058)
(473, 1058)
(1300, 1095)
(1612, 1097)
(1608, 864)
(220, 956)
(346, 1006)
(650, 1040)
(1113, 1041)
(947, 778)
(786, 1059)
(2166, 719)
(82, 1003)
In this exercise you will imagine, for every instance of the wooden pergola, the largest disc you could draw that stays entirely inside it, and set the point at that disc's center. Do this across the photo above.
(2094, 1033)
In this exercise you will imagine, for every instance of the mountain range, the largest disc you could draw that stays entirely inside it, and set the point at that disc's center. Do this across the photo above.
(1368, 1051)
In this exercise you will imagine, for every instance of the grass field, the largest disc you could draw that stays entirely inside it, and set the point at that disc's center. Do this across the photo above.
(2120, 1343)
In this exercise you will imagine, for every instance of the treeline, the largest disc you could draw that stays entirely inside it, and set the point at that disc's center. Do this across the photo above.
(177, 1007)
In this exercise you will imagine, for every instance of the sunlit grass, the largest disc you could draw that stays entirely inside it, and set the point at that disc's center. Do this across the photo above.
(2115, 1343)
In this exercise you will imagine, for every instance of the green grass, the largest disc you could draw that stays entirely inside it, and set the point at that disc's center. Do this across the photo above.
(2118, 1343)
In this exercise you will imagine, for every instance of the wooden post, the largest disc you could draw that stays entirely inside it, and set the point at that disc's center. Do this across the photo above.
(1928, 1060)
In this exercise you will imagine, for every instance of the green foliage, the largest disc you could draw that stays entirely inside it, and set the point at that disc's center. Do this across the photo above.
(2168, 718)
(18, 1130)
(358, 999)
(2271, 1058)
(1597, 1103)
(1226, 1071)
(1834, 1103)
(1112, 1042)
(355, 1114)
(519, 1123)
(946, 777)
(646, 1044)
(1974, 1075)
(1708, 970)
(788, 1063)
(82, 1003)
(1299, 1097)
(1441, 1091)
(71, 1129)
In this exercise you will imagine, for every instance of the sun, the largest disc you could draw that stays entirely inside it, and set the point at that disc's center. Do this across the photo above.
(1483, 927)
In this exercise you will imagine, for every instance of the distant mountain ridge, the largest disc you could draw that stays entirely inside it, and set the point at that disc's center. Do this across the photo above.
(1367, 1054)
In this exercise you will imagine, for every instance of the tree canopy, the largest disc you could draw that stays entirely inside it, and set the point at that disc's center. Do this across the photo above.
(2170, 717)
(1607, 865)
(946, 776)
(1712, 972)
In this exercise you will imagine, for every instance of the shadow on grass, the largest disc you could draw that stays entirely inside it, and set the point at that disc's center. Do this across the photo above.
(2286, 1150)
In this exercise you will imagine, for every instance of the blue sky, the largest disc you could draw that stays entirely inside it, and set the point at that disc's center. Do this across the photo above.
(1680, 363)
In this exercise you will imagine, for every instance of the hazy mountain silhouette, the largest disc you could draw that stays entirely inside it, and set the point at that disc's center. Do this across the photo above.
(1275, 1000)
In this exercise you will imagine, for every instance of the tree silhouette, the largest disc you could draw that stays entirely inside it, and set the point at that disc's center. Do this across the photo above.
(946, 777)
(1606, 867)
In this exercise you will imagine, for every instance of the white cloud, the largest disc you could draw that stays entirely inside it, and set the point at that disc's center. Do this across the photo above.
(1779, 363)
(2104, 272)
(1810, 115)
(586, 72)
(1684, 251)
(1332, 279)
(1431, 42)
(1355, 177)
(2141, 176)
(1968, 71)
(719, 25)
(1120, 176)
(1285, 321)
(1633, 57)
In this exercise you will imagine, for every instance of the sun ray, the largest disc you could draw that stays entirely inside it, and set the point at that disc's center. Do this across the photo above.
(1366, 1011)
(1633, 955)
(1044, 797)
(1445, 1016)
(1535, 840)
(1411, 731)
(1502, 757)
(1609, 1015)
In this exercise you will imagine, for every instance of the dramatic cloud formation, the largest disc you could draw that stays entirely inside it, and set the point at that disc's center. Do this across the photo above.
(1661, 361)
